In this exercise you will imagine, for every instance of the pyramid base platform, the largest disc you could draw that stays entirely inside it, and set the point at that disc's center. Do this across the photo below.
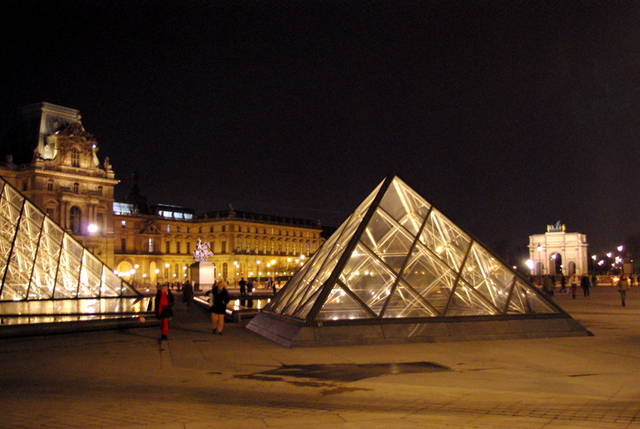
(291, 333)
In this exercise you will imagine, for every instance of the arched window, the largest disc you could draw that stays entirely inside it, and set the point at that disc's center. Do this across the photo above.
(75, 216)
(75, 157)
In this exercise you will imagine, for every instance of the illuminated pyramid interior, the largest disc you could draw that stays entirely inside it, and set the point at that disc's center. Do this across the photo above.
(48, 276)
(398, 270)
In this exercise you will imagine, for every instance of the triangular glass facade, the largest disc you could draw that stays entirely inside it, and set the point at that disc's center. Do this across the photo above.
(40, 263)
(397, 257)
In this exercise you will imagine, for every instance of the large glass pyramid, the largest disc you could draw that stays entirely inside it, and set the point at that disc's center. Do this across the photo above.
(46, 275)
(398, 259)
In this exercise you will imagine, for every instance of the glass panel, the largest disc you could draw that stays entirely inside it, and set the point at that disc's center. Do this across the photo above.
(368, 278)
(405, 302)
(32, 213)
(296, 287)
(44, 274)
(112, 285)
(524, 301)
(9, 215)
(52, 230)
(340, 306)
(20, 267)
(405, 206)
(69, 269)
(308, 285)
(488, 276)
(445, 239)
(13, 197)
(304, 309)
(387, 239)
(430, 277)
(17, 278)
(90, 277)
(467, 302)
(323, 275)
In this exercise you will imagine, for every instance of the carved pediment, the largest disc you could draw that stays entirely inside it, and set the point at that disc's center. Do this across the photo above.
(76, 130)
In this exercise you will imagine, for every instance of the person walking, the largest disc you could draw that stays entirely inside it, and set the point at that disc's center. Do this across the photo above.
(218, 300)
(563, 284)
(164, 309)
(187, 293)
(574, 285)
(548, 286)
(623, 287)
(585, 284)
(243, 286)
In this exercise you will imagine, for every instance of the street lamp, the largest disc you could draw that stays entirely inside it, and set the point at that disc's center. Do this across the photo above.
(539, 249)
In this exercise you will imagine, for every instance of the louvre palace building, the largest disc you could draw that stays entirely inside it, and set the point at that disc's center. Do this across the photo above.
(53, 161)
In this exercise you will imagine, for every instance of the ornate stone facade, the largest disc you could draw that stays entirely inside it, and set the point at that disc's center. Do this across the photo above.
(153, 248)
(63, 177)
(53, 160)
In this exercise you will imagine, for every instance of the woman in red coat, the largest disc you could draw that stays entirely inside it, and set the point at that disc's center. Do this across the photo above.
(164, 310)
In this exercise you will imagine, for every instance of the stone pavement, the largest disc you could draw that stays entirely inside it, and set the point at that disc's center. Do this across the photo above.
(127, 379)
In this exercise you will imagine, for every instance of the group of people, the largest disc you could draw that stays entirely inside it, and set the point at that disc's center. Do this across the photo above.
(218, 299)
(548, 285)
(247, 286)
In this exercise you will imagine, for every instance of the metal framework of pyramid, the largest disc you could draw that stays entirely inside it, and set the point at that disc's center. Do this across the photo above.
(47, 276)
(398, 270)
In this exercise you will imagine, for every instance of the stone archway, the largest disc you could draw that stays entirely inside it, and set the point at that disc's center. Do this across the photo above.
(124, 270)
(555, 264)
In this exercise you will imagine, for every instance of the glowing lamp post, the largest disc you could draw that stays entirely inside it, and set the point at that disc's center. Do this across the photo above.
(539, 249)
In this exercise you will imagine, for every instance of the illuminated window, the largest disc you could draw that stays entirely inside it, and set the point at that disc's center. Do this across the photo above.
(75, 215)
(100, 220)
(150, 245)
(75, 157)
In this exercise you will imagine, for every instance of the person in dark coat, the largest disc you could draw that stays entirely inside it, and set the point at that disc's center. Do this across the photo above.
(164, 309)
(243, 286)
(585, 284)
(187, 293)
(548, 286)
(218, 300)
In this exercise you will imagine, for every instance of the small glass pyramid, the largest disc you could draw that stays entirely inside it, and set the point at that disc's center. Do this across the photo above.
(396, 257)
(46, 273)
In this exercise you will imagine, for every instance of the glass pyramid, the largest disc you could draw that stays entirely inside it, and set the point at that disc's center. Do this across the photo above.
(46, 273)
(398, 257)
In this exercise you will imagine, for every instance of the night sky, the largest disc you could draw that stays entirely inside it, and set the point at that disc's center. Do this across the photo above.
(506, 115)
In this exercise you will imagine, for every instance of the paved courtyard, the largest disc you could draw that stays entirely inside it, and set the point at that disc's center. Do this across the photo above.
(127, 379)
